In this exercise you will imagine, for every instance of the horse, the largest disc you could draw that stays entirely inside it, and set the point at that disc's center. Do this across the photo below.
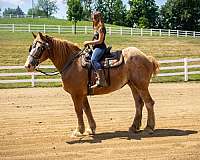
(136, 72)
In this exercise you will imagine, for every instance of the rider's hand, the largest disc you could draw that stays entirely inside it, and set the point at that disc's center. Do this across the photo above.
(86, 43)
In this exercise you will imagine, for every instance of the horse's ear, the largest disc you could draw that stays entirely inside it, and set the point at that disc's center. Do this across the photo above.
(34, 35)
(41, 35)
(48, 38)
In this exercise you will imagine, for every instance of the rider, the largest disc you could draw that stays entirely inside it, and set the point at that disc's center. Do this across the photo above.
(99, 48)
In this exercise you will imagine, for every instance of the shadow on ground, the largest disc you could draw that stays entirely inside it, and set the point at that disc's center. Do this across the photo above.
(99, 137)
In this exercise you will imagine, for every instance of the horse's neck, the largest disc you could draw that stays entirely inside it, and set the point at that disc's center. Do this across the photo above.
(62, 53)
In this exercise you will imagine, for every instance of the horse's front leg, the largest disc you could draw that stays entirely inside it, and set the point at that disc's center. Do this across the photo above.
(78, 104)
(91, 121)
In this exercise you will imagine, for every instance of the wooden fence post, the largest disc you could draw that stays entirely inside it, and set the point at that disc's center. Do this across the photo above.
(33, 79)
(13, 28)
(59, 29)
(85, 29)
(141, 32)
(194, 35)
(121, 32)
(29, 28)
(110, 31)
(44, 28)
(151, 32)
(185, 69)
(177, 33)
(131, 31)
(73, 29)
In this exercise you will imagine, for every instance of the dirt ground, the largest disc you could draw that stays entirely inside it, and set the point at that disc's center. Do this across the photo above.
(36, 123)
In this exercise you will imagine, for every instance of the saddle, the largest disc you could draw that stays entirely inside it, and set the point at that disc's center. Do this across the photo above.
(109, 59)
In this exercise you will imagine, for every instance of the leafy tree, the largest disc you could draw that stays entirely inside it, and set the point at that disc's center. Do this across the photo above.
(44, 8)
(113, 11)
(119, 13)
(143, 11)
(75, 11)
(178, 14)
(108, 14)
(47, 6)
(87, 9)
(17, 11)
(100, 5)
(36, 12)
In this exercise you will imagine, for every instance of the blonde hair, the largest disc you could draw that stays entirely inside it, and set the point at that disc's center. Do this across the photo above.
(99, 20)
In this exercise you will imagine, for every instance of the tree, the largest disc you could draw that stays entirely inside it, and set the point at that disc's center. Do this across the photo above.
(113, 11)
(87, 9)
(178, 14)
(36, 12)
(75, 11)
(17, 11)
(100, 5)
(119, 12)
(143, 11)
(47, 6)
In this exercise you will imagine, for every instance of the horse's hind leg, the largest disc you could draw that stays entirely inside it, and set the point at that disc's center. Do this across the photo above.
(91, 121)
(149, 103)
(139, 106)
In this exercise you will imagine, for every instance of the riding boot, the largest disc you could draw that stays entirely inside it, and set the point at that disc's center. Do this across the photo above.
(101, 81)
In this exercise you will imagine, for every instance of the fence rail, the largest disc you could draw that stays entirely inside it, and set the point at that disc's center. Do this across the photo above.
(21, 16)
(88, 29)
(184, 67)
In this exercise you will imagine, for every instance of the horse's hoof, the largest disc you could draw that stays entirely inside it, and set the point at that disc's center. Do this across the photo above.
(90, 131)
(132, 129)
(76, 133)
(149, 130)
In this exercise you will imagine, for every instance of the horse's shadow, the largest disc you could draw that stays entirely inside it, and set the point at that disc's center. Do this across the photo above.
(99, 137)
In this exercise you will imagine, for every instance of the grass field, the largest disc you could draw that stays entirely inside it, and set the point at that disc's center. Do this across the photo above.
(14, 46)
(40, 21)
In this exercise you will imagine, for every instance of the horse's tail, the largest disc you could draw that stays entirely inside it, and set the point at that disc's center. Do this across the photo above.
(156, 65)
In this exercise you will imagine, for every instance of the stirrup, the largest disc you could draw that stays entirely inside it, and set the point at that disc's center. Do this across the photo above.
(97, 84)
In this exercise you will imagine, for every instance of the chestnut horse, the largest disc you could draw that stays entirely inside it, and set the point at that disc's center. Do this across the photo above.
(136, 71)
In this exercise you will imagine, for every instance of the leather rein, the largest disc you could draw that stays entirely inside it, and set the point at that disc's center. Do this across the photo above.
(65, 66)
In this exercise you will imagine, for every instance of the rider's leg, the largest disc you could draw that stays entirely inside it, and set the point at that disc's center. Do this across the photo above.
(96, 56)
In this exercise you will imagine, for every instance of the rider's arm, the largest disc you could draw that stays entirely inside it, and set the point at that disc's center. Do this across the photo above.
(98, 41)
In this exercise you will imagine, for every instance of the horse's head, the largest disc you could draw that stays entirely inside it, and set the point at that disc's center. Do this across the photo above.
(38, 51)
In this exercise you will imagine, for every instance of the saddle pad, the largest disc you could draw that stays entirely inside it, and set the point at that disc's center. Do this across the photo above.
(113, 59)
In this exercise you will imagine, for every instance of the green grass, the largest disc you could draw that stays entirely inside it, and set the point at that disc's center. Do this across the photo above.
(14, 50)
(48, 21)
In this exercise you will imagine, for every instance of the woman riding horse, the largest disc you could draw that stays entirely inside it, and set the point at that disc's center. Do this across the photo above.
(99, 48)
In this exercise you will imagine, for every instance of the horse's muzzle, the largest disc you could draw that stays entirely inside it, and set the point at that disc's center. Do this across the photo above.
(30, 64)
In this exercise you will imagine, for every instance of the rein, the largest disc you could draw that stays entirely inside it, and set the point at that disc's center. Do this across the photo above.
(65, 67)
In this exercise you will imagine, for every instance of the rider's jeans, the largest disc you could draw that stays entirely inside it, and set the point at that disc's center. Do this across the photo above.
(96, 56)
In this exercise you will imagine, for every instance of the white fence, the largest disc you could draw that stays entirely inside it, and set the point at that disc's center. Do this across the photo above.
(21, 16)
(88, 29)
(185, 67)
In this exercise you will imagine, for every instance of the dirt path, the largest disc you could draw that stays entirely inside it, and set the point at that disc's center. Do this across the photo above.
(36, 123)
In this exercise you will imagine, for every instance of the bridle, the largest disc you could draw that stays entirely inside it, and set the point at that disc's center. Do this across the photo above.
(38, 54)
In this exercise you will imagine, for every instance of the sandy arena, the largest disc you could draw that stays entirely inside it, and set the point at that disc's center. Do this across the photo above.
(36, 123)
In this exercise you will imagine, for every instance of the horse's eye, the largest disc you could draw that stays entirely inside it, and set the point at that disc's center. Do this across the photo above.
(34, 45)
(30, 48)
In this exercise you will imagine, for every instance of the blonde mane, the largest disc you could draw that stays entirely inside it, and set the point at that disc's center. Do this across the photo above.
(62, 50)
